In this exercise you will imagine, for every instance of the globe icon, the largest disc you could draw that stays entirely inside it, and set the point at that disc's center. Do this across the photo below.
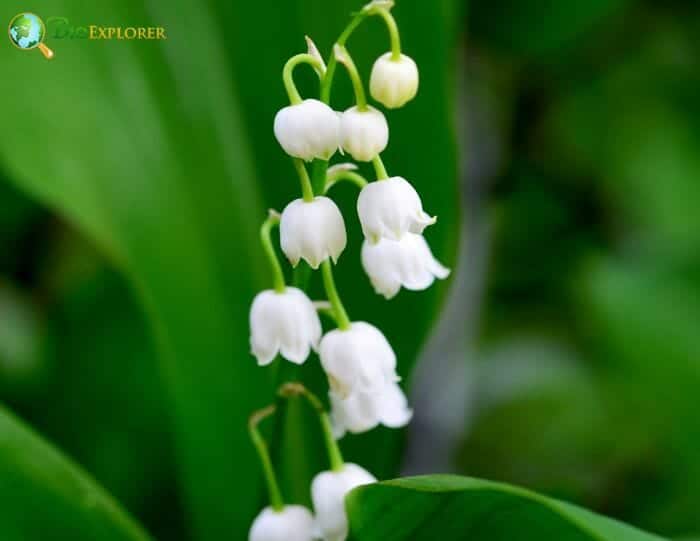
(27, 31)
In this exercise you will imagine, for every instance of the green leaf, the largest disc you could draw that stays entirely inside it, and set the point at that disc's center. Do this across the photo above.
(452, 507)
(44, 496)
(140, 144)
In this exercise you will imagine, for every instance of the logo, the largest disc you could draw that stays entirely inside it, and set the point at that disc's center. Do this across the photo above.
(27, 31)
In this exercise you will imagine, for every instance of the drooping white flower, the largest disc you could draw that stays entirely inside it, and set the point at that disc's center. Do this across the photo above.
(361, 411)
(394, 82)
(308, 130)
(328, 491)
(406, 262)
(363, 134)
(389, 208)
(283, 322)
(357, 359)
(312, 231)
(292, 523)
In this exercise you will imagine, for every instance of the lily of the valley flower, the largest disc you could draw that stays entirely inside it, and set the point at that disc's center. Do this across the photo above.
(363, 133)
(283, 322)
(393, 83)
(313, 231)
(308, 130)
(358, 358)
(292, 523)
(389, 208)
(328, 491)
(362, 411)
(408, 262)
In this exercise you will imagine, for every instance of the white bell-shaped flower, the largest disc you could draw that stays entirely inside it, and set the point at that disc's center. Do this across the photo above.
(312, 231)
(292, 523)
(357, 359)
(394, 82)
(308, 130)
(389, 208)
(408, 262)
(283, 322)
(363, 134)
(361, 411)
(328, 491)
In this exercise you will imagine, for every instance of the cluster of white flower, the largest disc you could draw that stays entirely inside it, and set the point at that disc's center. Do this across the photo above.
(359, 362)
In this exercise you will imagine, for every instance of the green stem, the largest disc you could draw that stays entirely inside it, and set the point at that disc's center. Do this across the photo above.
(393, 31)
(341, 315)
(335, 457)
(327, 81)
(288, 74)
(261, 447)
(273, 219)
(306, 190)
(357, 179)
(320, 166)
(343, 56)
(379, 168)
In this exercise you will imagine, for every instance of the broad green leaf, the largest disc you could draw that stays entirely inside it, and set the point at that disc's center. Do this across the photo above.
(455, 508)
(140, 144)
(44, 496)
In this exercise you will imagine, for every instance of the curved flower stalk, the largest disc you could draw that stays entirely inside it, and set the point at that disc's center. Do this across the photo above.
(357, 359)
(277, 522)
(329, 488)
(282, 320)
(306, 129)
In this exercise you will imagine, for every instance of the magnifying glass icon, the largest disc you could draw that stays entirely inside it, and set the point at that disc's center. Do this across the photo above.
(27, 31)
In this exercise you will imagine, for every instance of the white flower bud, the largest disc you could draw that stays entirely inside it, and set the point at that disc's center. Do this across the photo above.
(292, 523)
(363, 134)
(285, 323)
(328, 491)
(312, 231)
(389, 208)
(357, 359)
(407, 262)
(360, 411)
(308, 130)
(394, 82)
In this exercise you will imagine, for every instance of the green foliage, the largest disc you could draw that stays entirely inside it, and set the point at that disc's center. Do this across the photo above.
(452, 507)
(44, 492)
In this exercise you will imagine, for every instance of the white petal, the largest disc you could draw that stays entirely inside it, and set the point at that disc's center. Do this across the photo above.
(393, 407)
(356, 413)
(328, 491)
(394, 82)
(363, 134)
(285, 322)
(390, 208)
(407, 262)
(308, 130)
(292, 523)
(312, 231)
(358, 358)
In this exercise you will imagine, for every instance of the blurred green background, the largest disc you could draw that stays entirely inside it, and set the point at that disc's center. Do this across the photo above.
(134, 176)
